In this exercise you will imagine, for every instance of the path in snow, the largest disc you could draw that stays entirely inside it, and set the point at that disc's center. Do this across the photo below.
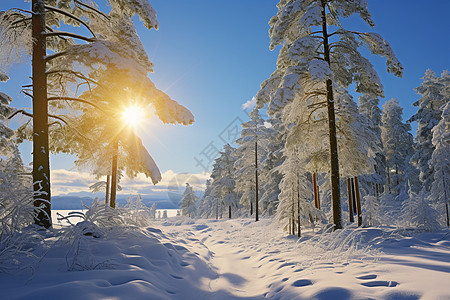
(257, 261)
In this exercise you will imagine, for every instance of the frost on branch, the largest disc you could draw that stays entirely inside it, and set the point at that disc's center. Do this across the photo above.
(379, 46)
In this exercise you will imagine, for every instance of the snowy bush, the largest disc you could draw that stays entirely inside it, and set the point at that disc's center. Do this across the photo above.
(371, 211)
(22, 250)
(336, 246)
(416, 212)
(136, 213)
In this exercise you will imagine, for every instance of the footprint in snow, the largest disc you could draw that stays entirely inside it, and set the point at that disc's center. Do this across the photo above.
(302, 282)
(379, 283)
(367, 277)
(176, 277)
(247, 257)
(184, 264)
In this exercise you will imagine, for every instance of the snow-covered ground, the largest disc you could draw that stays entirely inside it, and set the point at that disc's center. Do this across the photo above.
(186, 259)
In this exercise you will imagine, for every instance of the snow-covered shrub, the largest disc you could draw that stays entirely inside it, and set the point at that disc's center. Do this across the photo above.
(370, 211)
(336, 246)
(22, 250)
(136, 213)
(416, 212)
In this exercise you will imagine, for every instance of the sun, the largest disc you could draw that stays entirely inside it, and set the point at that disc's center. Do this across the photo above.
(133, 115)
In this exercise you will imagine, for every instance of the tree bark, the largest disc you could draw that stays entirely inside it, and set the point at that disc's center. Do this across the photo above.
(114, 173)
(446, 210)
(334, 161)
(358, 201)
(108, 187)
(350, 205)
(41, 160)
(352, 184)
(316, 191)
(299, 230)
(256, 185)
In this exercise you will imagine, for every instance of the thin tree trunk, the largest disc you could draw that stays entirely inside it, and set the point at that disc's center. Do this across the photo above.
(108, 188)
(229, 212)
(256, 185)
(446, 210)
(114, 173)
(316, 191)
(251, 207)
(334, 161)
(299, 230)
(352, 184)
(217, 209)
(41, 160)
(358, 201)
(350, 206)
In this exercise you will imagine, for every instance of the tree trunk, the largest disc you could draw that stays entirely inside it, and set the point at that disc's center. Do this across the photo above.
(358, 201)
(251, 207)
(256, 185)
(299, 230)
(352, 184)
(316, 191)
(334, 161)
(114, 173)
(350, 205)
(41, 160)
(446, 210)
(108, 187)
(229, 212)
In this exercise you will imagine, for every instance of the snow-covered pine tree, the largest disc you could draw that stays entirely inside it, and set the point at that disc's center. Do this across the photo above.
(372, 184)
(206, 208)
(223, 185)
(371, 211)
(189, 202)
(251, 149)
(440, 163)
(294, 206)
(417, 212)
(270, 174)
(113, 42)
(428, 115)
(153, 211)
(398, 145)
(312, 61)
(16, 197)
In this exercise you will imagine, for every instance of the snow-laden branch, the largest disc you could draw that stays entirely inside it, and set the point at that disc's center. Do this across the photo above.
(75, 99)
(69, 34)
(92, 8)
(54, 9)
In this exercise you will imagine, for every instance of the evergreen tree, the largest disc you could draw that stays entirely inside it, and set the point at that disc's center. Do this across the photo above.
(16, 197)
(398, 146)
(206, 207)
(310, 66)
(428, 115)
(224, 185)
(189, 202)
(270, 171)
(440, 163)
(372, 184)
(417, 213)
(253, 137)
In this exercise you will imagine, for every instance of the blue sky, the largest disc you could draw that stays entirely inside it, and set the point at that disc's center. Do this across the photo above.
(211, 56)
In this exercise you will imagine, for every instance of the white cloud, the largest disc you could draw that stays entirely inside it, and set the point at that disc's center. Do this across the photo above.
(67, 182)
(249, 104)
